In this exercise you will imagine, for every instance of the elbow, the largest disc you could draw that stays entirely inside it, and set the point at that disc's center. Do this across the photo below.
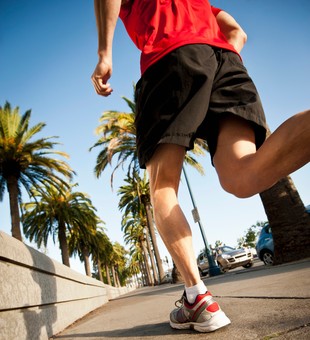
(240, 35)
(244, 36)
(238, 39)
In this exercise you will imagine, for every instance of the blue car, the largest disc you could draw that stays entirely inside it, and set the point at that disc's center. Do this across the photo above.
(265, 246)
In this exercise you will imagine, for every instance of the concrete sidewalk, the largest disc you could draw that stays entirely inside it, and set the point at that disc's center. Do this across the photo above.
(262, 303)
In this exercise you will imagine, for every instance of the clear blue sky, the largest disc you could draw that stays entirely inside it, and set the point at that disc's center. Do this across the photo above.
(48, 53)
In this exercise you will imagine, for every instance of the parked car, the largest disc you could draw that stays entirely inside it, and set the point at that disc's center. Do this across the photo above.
(226, 258)
(264, 246)
(203, 264)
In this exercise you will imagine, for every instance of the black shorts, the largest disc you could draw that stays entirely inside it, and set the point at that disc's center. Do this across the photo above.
(184, 95)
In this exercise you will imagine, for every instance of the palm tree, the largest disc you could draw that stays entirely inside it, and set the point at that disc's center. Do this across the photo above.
(102, 254)
(134, 234)
(118, 138)
(24, 162)
(119, 261)
(134, 265)
(84, 242)
(58, 211)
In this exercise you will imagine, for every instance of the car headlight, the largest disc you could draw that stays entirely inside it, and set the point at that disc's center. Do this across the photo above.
(225, 256)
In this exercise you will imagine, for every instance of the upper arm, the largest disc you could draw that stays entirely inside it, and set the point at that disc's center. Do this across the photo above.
(232, 31)
(228, 24)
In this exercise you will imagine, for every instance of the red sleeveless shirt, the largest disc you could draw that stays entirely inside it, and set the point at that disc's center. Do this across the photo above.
(159, 26)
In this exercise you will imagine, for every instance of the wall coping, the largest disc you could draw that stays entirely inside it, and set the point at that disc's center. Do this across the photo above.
(15, 251)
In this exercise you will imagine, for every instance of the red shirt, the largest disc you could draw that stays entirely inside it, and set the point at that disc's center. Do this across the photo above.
(159, 26)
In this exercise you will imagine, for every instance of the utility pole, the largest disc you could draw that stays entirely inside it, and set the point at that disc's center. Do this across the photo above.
(214, 269)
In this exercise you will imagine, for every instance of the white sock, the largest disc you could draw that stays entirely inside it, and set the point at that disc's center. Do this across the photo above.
(193, 291)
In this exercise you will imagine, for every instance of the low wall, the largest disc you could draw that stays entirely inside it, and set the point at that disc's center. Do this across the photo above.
(40, 297)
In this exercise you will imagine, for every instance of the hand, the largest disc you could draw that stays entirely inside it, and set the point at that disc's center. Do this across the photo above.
(101, 75)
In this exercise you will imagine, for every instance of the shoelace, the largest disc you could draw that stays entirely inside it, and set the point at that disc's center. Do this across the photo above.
(179, 303)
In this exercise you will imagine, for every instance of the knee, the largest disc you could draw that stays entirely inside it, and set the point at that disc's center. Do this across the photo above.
(239, 177)
(240, 185)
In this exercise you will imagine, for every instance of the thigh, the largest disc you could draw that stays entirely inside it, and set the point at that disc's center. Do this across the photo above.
(235, 150)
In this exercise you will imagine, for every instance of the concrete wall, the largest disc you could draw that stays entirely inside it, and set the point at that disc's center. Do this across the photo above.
(40, 297)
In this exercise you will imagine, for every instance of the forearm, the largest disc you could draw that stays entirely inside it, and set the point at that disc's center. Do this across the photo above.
(237, 38)
(106, 12)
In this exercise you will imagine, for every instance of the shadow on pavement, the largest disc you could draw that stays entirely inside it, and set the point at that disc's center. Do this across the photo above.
(153, 330)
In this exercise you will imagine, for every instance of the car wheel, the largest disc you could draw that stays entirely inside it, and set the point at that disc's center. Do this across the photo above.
(200, 272)
(248, 265)
(268, 258)
(223, 270)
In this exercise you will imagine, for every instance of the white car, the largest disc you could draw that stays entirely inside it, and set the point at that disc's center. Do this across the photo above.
(227, 258)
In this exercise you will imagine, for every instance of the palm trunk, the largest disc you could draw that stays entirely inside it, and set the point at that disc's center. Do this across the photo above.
(147, 266)
(99, 270)
(107, 271)
(149, 217)
(117, 277)
(63, 244)
(86, 261)
(145, 278)
(142, 274)
(289, 221)
(151, 254)
(114, 278)
(12, 185)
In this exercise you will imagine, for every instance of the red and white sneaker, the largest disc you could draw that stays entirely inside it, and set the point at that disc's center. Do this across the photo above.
(204, 315)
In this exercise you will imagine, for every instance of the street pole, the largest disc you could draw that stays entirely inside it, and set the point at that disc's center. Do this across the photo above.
(214, 269)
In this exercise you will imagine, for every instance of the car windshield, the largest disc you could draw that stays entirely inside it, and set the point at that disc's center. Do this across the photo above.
(226, 249)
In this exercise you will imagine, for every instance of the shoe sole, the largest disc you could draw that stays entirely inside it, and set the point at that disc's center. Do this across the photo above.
(217, 321)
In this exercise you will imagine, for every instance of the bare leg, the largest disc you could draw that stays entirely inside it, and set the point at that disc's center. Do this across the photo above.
(244, 171)
(164, 171)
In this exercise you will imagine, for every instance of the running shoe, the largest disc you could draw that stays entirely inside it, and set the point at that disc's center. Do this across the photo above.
(204, 315)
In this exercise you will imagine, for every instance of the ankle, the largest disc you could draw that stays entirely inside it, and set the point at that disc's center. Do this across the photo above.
(193, 291)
